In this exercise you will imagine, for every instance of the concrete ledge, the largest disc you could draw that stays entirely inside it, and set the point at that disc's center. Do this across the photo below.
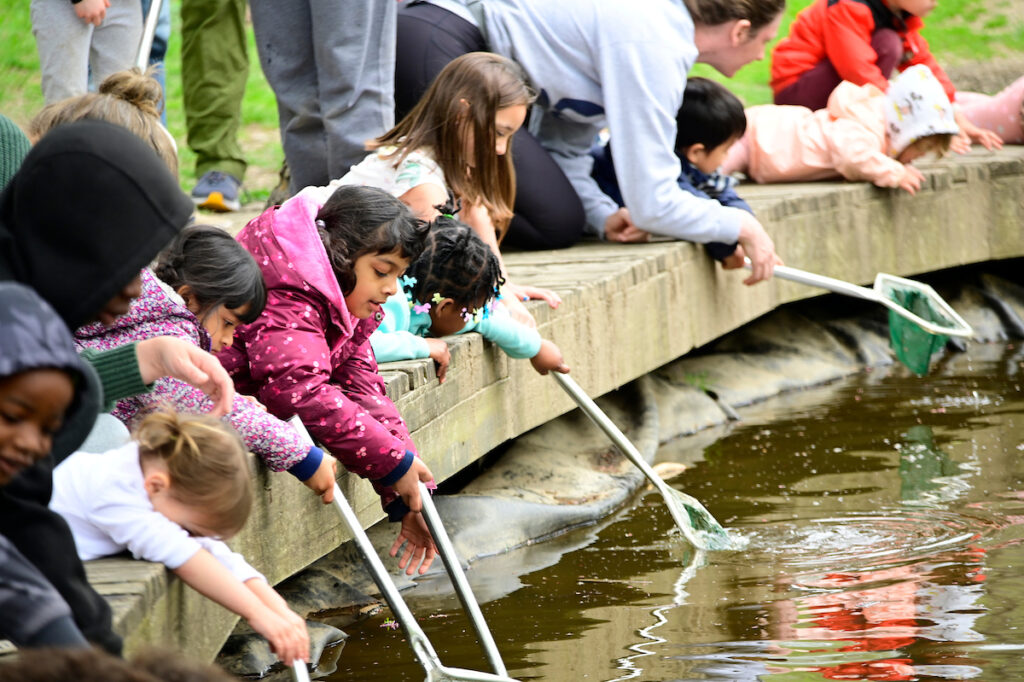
(628, 309)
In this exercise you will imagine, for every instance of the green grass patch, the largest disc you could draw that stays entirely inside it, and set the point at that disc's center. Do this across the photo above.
(958, 30)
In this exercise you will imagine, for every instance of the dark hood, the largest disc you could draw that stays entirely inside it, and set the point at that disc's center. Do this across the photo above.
(91, 205)
(32, 336)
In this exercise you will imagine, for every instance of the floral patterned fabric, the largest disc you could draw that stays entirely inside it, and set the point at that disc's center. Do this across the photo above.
(160, 312)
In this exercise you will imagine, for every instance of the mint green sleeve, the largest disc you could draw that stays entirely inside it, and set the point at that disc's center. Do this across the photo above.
(517, 340)
(390, 346)
(393, 340)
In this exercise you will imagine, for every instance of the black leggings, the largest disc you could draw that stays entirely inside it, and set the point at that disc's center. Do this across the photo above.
(549, 214)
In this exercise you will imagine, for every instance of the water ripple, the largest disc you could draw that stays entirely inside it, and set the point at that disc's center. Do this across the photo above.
(862, 540)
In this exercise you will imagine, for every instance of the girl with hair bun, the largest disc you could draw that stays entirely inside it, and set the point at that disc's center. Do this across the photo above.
(171, 496)
(131, 99)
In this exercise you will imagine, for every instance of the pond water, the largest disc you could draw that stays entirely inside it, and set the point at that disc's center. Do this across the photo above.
(884, 516)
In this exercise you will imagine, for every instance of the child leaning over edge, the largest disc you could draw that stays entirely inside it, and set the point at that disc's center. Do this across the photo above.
(708, 123)
(458, 139)
(452, 288)
(329, 271)
(862, 42)
(205, 285)
(864, 134)
(170, 496)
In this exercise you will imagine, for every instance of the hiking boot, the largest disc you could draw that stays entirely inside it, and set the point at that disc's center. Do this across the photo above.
(217, 191)
(281, 193)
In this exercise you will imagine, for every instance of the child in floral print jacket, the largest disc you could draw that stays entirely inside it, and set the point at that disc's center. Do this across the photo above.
(208, 284)
(328, 271)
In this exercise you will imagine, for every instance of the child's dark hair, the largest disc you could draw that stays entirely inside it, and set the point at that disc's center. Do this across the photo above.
(710, 115)
(359, 220)
(217, 269)
(456, 264)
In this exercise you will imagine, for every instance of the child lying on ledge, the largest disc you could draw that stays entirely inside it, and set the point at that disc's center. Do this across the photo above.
(863, 134)
(450, 289)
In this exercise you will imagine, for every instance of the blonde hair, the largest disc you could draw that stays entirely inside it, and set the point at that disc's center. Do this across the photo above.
(130, 98)
(463, 101)
(937, 143)
(207, 463)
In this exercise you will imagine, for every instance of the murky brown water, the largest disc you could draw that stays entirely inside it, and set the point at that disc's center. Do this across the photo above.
(885, 518)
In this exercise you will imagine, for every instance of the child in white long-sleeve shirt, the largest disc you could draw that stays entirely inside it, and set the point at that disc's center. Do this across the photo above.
(170, 496)
(450, 289)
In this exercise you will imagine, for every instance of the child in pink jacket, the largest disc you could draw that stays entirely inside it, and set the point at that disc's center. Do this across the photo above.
(863, 134)
(328, 271)
(207, 285)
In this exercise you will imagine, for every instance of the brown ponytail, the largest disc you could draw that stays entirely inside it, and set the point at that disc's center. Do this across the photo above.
(207, 463)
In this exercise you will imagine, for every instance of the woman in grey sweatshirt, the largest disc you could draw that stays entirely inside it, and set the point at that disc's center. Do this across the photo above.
(600, 64)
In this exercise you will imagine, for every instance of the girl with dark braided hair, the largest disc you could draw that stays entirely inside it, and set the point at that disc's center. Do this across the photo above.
(453, 288)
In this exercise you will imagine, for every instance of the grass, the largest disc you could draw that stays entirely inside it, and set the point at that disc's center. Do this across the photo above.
(958, 31)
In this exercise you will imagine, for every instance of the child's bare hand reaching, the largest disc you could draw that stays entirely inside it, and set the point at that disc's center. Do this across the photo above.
(322, 480)
(441, 356)
(911, 180)
(549, 359)
(419, 545)
(287, 635)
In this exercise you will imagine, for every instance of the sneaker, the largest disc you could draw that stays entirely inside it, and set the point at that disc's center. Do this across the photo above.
(217, 191)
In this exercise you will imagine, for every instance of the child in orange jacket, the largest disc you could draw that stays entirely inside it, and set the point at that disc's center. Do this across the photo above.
(863, 41)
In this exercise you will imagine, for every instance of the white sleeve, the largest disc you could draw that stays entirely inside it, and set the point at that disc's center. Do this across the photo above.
(233, 561)
(642, 86)
(143, 531)
(568, 143)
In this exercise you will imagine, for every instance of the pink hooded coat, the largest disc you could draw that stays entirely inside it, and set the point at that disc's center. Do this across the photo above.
(847, 139)
(307, 355)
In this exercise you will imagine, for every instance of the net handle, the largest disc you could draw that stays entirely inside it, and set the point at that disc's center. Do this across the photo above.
(961, 328)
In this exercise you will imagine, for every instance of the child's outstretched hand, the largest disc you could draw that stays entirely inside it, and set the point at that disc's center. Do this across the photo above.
(441, 356)
(419, 545)
(286, 633)
(549, 359)
(911, 180)
(322, 480)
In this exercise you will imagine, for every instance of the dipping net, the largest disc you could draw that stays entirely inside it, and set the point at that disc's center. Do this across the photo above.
(913, 345)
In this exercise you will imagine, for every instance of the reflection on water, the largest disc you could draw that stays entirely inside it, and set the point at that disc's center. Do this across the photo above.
(884, 518)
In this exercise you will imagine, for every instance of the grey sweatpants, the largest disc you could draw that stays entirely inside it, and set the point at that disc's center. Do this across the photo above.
(68, 46)
(331, 64)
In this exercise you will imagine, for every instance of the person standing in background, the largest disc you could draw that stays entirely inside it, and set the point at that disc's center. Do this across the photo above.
(214, 68)
(331, 64)
(82, 40)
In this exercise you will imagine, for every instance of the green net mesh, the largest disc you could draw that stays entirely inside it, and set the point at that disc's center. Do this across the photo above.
(913, 345)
